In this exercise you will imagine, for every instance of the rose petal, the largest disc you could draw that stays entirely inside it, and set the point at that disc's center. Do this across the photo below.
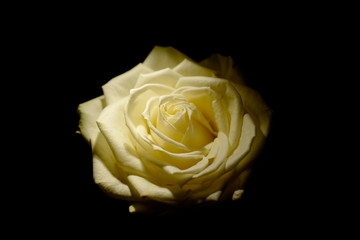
(256, 106)
(224, 67)
(206, 188)
(199, 166)
(105, 171)
(163, 132)
(204, 99)
(135, 108)
(228, 104)
(113, 126)
(163, 157)
(199, 132)
(165, 76)
(149, 190)
(247, 136)
(218, 154)
(119, 87)
(164, 57)
(89, 111)
(189, 68)
(138, 100)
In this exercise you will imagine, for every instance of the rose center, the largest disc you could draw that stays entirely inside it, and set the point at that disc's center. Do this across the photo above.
(181, 121)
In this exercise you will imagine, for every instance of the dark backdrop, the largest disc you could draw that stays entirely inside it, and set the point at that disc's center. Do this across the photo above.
(67, 62)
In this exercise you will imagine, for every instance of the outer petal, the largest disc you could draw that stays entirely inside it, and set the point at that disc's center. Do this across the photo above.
(119, 87)
(149, 190)
(189, 68)
(224, 67)
(244, 146)
(89, 111)
(256, 106)
(112, 125)
(164, 57)
(105, 171)
(242, 171)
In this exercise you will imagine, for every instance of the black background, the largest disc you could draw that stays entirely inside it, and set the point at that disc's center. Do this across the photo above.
(66, 56)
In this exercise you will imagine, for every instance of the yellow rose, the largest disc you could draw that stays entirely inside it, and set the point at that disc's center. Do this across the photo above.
(175, 131)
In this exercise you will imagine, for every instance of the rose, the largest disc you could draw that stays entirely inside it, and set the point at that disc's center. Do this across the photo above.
(174, 131)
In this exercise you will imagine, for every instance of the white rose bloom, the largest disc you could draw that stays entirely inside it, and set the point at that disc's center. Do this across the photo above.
(174, 131)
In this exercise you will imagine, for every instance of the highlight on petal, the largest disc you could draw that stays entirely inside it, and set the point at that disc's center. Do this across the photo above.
(120, 86)
(89, 112)
(189, 68)
(164, 57)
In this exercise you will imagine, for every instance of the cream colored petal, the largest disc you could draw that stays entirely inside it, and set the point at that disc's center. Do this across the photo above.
(89, 112)
(161, 131)
(112, 124)
(204, 98)
(208, 188)
(138, 100)
(218, 154)
(196, 168)
(189, 68)
(107, 176)
(164, 57)
(119, 87)
(246, 139)
(227, 104)
(149, 190)
(256, 106)
(172, 124)
(217, 84)
(164, 157)
(165, 76)
(199, 132)
(224, 67)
